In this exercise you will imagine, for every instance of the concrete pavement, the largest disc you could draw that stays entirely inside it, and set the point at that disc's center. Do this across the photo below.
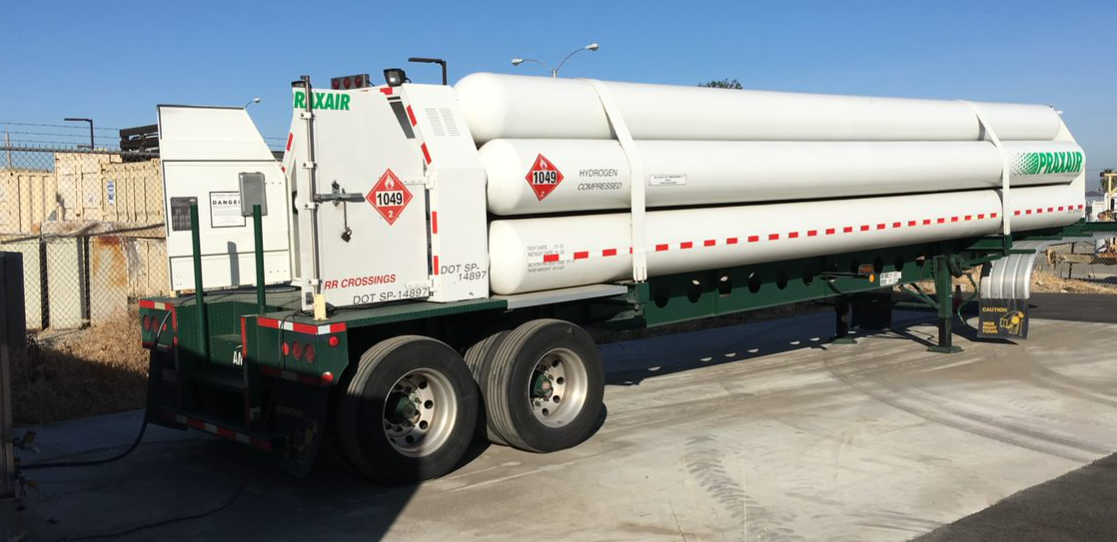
(754, 432)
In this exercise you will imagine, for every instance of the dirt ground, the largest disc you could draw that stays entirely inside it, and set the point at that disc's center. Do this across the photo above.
(72, 374)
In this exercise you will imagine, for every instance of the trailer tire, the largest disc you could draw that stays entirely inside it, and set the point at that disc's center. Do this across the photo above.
(544, 387)
(409, 411)
(479, 359)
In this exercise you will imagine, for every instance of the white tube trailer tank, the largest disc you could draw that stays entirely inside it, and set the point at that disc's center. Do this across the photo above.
(508, 185)
(596, 175)
(518, 107)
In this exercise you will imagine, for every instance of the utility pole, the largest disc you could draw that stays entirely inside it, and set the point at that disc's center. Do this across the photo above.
(13, 336)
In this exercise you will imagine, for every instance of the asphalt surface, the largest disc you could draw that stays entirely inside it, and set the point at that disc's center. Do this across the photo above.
(1075, 307)
(1077, 506)
(755, 432)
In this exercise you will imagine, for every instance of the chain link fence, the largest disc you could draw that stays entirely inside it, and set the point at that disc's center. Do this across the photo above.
(90, 226)
(1088, 263)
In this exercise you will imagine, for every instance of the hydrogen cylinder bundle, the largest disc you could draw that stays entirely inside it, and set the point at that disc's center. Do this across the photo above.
(748, 176)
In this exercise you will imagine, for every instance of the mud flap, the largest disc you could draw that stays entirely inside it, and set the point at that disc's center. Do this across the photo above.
(1003, 319)
(299, 412)
(161, 389)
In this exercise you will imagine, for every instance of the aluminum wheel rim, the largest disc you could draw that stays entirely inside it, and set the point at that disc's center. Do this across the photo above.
(420, 413)
(557, 387)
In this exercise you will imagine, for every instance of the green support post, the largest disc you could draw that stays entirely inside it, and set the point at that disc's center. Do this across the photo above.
(199, 300)
(258, 231)
(944, 297)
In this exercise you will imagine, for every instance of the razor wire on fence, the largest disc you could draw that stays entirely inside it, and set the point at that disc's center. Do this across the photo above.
(90, 226)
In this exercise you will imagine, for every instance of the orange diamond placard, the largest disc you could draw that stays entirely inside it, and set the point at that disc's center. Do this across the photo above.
(389, 197)
(543, 178)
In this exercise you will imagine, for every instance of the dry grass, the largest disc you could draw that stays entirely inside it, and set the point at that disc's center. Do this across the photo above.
(1045, 282)
(1042, 282)
(65, 375)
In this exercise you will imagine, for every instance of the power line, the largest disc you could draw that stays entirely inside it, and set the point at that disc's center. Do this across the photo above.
(67, 126)
(80, 136)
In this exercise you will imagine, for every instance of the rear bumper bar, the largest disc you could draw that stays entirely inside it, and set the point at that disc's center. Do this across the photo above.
(266, 443)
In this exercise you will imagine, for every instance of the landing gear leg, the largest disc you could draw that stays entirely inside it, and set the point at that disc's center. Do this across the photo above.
(841, 321)
(944, 296)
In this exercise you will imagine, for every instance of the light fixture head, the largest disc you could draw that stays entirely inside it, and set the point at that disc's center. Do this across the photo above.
(394, 77)
(517, 61)
(592, 47)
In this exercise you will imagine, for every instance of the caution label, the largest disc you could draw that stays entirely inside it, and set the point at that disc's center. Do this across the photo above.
(543, 178)
(389, 196)
(1003, 319)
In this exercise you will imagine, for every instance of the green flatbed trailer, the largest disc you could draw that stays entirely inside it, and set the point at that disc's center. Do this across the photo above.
(282, 382)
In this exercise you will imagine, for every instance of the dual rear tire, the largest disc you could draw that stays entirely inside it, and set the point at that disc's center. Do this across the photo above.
(409, 411)
(410, 408)
(542, 385)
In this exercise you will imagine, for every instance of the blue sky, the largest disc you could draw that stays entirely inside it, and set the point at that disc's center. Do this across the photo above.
(115, 61)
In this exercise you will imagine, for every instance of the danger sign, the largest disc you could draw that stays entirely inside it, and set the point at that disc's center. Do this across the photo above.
(543, 177)
(389, 196)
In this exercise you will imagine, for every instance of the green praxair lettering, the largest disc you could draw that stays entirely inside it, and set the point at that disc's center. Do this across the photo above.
(1044, 163)
(323, 100)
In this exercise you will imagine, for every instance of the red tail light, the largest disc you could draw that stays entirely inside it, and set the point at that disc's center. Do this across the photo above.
(297, 350)
(147, 323)
(335, 84)
(286, 348)
(327, 377)
(333, 341)
(310, 353)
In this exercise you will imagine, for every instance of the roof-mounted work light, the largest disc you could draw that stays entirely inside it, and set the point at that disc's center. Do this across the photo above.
(395, 77)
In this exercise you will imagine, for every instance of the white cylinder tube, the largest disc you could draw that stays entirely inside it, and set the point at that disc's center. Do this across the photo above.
(518, 107)
(595, 173)
(528, 255)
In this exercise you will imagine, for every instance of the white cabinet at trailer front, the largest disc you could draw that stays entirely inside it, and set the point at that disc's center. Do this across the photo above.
(203, 151)
(228, 246)
(384, 257)
(375, 249)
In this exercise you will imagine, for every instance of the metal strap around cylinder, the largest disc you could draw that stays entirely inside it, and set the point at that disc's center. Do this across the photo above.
(636, 185)
(1006, 216)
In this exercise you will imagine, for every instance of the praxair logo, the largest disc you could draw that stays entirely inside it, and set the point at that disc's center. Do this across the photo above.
(323, 100)
(1044, 163)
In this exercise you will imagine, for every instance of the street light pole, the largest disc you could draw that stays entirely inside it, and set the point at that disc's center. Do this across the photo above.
(439, 61)
(518, 61)
(90, 121)
(555, 71)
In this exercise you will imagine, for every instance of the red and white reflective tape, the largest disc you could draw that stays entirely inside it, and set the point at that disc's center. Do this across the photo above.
(325, 379)
(308, 329)
(221, 431)
(160, 347)
(156, 305)
(794, 235)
